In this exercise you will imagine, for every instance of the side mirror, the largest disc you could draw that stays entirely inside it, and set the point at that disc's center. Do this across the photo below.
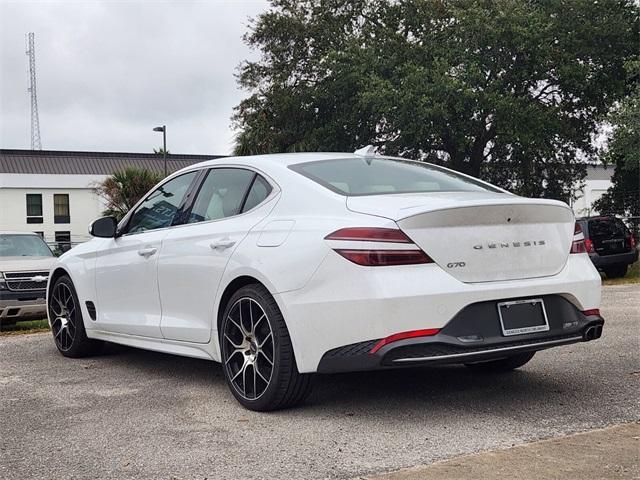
(104, 227)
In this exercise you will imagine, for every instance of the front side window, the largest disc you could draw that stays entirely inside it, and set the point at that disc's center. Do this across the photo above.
(23, 246)
(376, 176)
(222, 194)
(61, 208)
(161, 206)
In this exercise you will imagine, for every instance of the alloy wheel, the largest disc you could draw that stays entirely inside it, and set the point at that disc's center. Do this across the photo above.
(62, 308)
(248, 348)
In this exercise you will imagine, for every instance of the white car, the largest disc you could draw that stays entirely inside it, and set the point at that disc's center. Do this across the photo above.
(279, 266)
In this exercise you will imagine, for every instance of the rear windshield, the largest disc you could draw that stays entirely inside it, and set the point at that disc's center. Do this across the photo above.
(23, 246)
(375, 176)
(605, 228)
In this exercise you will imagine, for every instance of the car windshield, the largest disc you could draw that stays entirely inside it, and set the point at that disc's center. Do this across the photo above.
(23, 246)
(376, 176)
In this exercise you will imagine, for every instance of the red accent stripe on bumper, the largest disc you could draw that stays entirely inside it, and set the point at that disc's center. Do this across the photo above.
(403, 336)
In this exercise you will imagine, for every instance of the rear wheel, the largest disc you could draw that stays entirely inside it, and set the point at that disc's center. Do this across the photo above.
(257, 356)
(67, 326)
(503, 365)
(616, 271)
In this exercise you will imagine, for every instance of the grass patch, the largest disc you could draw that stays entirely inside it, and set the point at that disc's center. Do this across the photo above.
(633, 276)
(29, 326)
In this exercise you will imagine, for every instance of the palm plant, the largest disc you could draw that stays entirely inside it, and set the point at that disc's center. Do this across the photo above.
(122, 190)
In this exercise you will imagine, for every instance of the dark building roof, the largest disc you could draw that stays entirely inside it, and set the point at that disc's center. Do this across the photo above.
(89, 163)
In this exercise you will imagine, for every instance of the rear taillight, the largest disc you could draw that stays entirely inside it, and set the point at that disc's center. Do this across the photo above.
(632, 242)
(578, 245)
(593, 311)
(377, 257)
(588, 244)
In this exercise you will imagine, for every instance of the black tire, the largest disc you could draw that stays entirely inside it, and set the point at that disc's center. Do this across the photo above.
(503, 364)
(67, 326)
(263, 347)
(617, 271)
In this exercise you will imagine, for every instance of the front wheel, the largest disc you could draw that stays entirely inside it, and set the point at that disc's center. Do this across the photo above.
(67, 326)
(257, 356)
(502, 365)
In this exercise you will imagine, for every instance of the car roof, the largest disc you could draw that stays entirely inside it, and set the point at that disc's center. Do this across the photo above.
(279, 159)
(270, 163)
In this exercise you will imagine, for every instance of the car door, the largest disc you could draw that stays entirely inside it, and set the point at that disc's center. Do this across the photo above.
(193, 257)
(126, 267)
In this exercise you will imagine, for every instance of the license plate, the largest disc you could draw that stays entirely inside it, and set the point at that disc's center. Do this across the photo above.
(518, 317)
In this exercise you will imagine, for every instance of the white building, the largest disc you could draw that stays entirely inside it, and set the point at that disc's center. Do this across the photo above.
(597, 181)
(51, 192)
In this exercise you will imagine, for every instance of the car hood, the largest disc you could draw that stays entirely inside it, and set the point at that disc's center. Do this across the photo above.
(23, 264)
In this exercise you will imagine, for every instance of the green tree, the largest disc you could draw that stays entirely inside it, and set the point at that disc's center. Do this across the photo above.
(122, 190)
(623, 197)
(160, 151)
(508, 90)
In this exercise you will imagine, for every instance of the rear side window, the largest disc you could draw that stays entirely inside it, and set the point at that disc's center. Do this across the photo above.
(260, 190)
(375, 176)
(606, 228)
(221, 194)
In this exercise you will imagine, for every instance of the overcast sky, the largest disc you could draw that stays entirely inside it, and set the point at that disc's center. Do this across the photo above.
(109, 71)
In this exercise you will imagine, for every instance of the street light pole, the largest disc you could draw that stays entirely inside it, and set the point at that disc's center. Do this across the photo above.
(163, 129)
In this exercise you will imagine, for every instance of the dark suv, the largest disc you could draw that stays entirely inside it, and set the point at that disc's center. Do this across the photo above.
(609, 243)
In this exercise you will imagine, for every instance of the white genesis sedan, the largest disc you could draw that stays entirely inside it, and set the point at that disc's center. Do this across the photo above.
(279, 266)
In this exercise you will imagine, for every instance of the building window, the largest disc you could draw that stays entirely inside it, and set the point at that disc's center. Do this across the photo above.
(61, 208)
(34, 208)
(63, 241)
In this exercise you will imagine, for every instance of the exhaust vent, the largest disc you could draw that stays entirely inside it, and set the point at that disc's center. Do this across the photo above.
(91, 308)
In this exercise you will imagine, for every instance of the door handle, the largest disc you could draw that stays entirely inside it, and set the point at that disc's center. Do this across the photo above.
(222, 244)
(147, 252)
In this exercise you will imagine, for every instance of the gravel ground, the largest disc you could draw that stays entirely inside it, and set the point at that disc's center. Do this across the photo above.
(144, 415)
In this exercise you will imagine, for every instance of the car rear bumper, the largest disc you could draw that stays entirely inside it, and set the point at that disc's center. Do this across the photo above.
(22, 305)
(473, 335)
(346, 304)
(602, 261)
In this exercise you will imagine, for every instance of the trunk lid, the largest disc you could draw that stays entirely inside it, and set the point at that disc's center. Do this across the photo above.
(481, 236)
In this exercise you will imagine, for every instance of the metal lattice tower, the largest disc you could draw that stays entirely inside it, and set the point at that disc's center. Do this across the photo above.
(36, 144)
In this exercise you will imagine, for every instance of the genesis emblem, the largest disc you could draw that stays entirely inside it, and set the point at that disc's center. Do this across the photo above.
(495, 245)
